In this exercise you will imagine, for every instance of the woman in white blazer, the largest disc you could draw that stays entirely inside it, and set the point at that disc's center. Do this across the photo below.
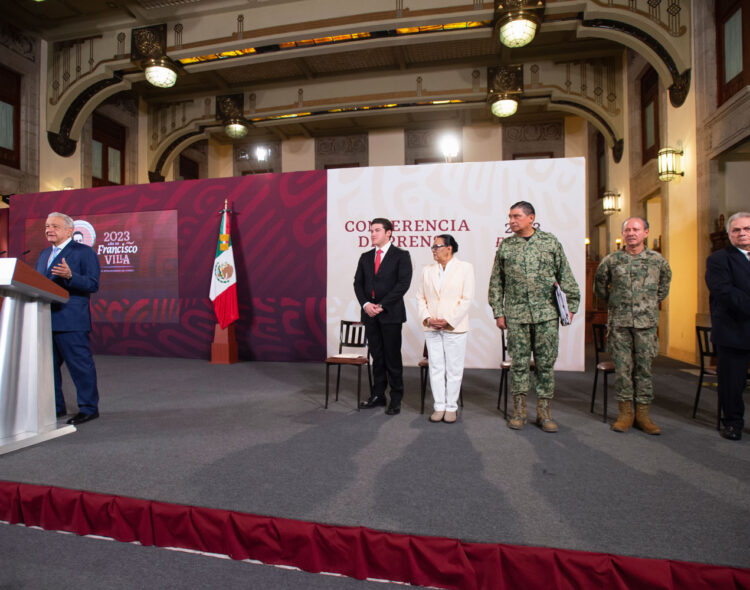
(444, 298)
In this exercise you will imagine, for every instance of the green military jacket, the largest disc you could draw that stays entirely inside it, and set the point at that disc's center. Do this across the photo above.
(522, 284)
(633, 285)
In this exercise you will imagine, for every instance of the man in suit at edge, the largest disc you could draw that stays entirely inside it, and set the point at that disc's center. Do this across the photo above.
(75, 268)
(728, 280)
(382, 279)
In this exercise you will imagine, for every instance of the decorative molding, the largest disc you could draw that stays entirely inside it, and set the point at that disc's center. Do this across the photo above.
(729, 125)
(61, 140)
(156, 174)
(17, 41)
(589, 113)
(680, 80)
(148, 43)
(344, 145)
(534, 132)
(671, 24)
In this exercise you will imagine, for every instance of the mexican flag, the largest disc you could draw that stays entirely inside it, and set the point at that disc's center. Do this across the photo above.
(224, 277)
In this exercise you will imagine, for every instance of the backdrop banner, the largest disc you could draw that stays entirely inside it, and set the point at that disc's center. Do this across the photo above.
(469, 201)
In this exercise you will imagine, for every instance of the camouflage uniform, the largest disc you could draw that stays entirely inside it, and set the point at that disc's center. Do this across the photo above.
(633, 285)
(522, 290)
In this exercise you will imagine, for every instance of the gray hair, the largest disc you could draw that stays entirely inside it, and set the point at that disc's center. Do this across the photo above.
(66, 218)
(645, 223)
(738, 215)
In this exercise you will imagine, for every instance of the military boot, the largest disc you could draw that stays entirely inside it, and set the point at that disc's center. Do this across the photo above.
(519, 412)
(624, 417)
(643, 420)
(544, 416)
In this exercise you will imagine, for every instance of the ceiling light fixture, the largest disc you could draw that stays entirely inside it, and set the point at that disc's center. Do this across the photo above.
(235, 128)
(160, 72)
(229, 110)
(148, 49)
(505, 88)
(518, 20)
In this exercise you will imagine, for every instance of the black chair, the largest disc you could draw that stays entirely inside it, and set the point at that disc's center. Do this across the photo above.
(505, 365)
(606, 367)
(708, 367)
(351, 335)
(424, 367)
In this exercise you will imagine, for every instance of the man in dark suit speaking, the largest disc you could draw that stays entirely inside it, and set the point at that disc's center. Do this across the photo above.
(75, 268)
(728, 280)
(382, 279)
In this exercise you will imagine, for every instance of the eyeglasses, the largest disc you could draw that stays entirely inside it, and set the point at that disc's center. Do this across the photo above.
(438, 246)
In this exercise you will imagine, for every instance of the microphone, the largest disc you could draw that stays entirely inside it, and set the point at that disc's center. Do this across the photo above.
(3, 252)
(25, 252)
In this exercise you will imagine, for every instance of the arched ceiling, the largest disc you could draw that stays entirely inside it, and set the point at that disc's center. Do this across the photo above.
(319, 67)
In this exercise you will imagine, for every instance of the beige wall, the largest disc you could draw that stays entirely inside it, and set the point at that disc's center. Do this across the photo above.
(482, 143)
(220, 162)
(680, 228)
(298, 154)
(386, 147)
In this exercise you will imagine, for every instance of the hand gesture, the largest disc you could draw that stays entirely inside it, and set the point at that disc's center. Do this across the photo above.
(62, 270)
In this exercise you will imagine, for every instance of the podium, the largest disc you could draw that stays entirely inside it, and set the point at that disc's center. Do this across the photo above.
(27, 390)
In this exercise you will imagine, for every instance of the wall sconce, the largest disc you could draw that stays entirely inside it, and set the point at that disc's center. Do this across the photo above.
(67, 184)
(618, 243)
(148, 49)
(229, 110)
(262, 153)
(518, 20)
(669, 164)
(611, 203)
(449, 147)
(505, 88)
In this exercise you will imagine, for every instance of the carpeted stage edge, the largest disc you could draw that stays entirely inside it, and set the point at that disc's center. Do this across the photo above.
(357, 552)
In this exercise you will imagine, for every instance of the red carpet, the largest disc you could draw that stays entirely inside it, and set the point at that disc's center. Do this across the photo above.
(357, 552)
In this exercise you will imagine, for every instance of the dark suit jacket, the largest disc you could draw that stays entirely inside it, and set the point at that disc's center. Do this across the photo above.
(390, 284)
(75, 315)
(728, 280)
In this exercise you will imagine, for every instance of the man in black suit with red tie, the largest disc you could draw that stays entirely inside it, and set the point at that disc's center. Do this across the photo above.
(728, 280)
(382, 279)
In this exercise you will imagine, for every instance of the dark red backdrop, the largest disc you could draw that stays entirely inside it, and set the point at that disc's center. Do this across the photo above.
(279, 239)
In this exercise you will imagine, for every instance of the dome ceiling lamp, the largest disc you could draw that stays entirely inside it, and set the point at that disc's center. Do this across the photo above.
(504, 89)
(148, 50)
(229, 110)
(517, 21)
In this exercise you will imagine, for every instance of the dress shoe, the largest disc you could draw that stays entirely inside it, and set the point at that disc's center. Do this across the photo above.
(372, 402)
(731, 432)
(450, 417)
(61, 414)
(80, 418)
(437, 416)
(393, 410)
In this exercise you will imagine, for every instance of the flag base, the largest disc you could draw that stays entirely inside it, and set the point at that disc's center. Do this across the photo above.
(224, 346)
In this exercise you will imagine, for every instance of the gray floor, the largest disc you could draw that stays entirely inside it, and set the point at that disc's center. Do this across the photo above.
(254, 437)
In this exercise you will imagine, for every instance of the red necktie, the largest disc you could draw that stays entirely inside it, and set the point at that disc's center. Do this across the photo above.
(378, 256)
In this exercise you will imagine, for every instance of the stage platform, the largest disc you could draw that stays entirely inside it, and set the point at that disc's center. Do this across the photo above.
(254, 438)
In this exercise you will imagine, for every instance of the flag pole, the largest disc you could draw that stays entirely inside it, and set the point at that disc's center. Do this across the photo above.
(224, 349)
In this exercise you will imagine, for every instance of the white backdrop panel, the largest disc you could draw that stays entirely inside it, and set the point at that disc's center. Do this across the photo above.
(471, 202)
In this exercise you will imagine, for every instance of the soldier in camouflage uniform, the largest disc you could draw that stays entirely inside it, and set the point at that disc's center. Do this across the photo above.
(522, 297)
(633, 281)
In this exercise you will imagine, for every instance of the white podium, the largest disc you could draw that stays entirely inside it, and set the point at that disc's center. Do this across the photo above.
(27, 390)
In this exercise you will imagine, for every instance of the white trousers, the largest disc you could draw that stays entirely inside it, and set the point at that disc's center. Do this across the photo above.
(446, 352)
